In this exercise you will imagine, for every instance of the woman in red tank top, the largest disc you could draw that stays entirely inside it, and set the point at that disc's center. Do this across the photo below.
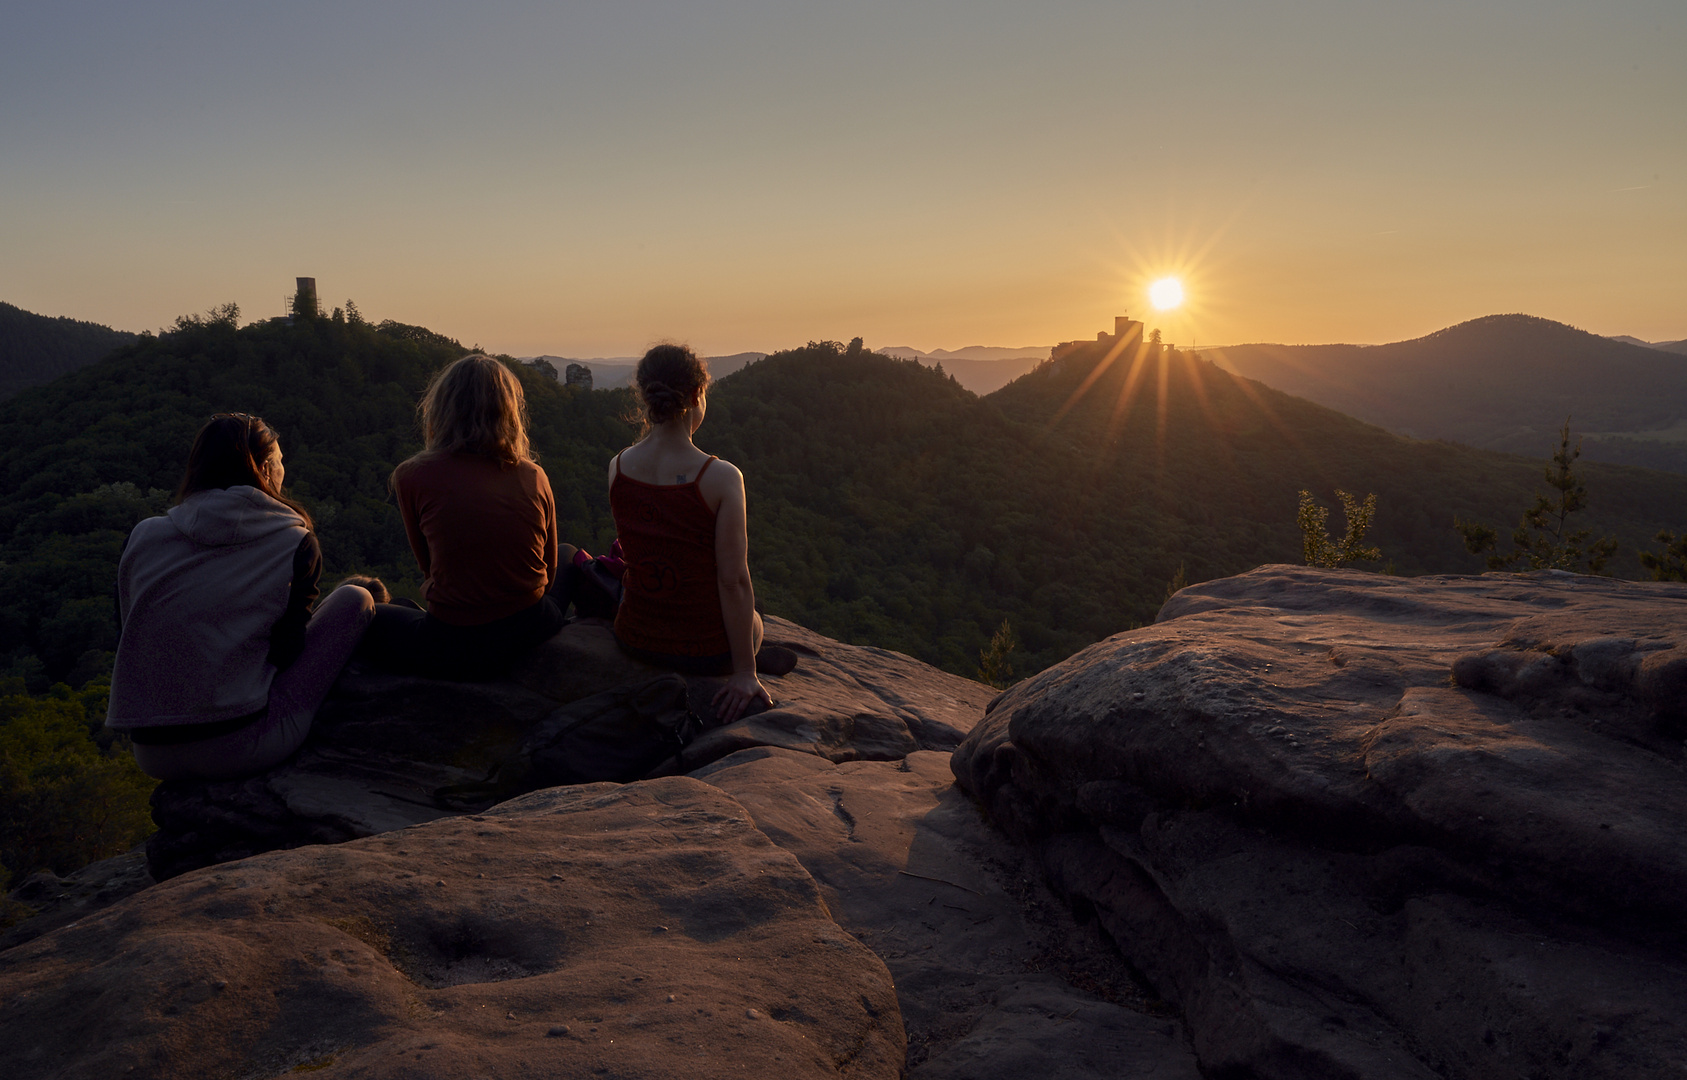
(680, 515)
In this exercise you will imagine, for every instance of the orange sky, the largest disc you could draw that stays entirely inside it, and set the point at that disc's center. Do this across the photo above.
(582, 179)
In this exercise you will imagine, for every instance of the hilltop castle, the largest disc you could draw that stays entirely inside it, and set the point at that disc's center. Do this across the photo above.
(1125, 329)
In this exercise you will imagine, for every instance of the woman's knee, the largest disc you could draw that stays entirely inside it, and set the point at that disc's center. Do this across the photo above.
(355, 600)
(755, 631)
(346, 614)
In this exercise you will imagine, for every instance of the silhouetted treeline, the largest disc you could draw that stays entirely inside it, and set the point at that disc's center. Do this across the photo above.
(38, 348)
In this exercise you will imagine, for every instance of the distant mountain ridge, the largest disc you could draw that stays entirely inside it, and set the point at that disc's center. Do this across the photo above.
(983, 369)
(971, 352)
(1503, 382)
(610, 372)
(1664, 346)
(36, 349)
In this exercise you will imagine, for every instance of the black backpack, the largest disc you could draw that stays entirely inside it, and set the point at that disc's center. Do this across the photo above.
(618, 735)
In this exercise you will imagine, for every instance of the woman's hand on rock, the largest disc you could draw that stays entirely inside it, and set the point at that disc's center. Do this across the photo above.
(740, 691)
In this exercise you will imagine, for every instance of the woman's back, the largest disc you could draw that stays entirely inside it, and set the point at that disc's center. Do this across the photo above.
(681, 515)
(199, 589)
(667, 534)
(483, 532)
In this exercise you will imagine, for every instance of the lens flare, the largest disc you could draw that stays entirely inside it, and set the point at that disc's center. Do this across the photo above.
(1166, 293)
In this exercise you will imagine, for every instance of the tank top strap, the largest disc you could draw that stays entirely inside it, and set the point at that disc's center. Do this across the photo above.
(705, 468)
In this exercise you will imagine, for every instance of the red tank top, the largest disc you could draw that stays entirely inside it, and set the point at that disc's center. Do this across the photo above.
(671, 602)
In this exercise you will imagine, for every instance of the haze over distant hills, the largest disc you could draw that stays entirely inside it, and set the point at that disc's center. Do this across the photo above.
(1665, 346)
(983, 369)
(610, 372)
(1504, 382)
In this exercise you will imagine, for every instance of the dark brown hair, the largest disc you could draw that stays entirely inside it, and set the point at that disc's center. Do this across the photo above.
(229, 450)
(668, 381)
(476, 405)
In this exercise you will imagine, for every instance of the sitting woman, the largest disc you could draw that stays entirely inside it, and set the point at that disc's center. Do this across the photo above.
(221, 664)
(482, 522)
(680, 514)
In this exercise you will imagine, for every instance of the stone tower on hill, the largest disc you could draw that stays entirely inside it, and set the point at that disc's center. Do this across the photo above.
(1125, 330)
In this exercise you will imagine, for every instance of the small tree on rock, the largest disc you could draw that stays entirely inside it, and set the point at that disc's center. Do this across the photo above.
(994, 666)
(1543, 539)
(1671, 563)
(1315, 543)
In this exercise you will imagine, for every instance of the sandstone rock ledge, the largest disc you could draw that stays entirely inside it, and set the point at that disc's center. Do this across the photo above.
(646, 930)
(711, 925)
(1362, 826)
(382, 744)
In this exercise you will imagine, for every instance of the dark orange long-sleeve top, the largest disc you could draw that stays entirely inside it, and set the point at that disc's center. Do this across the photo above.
(484, 534)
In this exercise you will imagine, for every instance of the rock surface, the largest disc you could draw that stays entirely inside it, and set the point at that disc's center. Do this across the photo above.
(994, 978)
(46, 901)
(1354, 825)
(382, 744)
(639, 930)
(543, 937)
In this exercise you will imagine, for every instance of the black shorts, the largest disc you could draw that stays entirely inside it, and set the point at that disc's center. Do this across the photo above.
(409, 640)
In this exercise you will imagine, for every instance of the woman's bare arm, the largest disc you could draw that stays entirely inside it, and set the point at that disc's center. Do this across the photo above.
(737, 596)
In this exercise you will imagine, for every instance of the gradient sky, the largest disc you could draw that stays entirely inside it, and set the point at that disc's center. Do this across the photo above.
(584, 178)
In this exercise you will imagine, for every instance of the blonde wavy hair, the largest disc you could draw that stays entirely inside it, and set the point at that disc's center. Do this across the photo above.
(475, 405)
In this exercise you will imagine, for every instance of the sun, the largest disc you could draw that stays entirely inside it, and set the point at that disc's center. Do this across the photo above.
(1166, 293)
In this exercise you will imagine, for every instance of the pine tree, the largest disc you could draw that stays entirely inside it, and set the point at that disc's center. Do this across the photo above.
(1671, 563)
(1543, 539)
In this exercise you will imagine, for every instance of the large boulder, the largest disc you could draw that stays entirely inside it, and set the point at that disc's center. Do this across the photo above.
(546, 937)
(639, 930)
(1356, 825)
(383, 744)
(995, 979)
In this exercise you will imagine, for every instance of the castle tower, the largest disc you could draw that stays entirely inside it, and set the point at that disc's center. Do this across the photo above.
(304, 300)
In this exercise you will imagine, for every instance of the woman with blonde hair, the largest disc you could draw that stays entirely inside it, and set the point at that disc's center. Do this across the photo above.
(681, 518)
(481, 521)
(222, 661)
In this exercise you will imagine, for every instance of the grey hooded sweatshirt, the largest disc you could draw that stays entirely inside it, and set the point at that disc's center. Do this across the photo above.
(200, 591)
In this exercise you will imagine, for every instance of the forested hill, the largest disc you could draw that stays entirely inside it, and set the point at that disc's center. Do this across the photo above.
(84, 458)
(889, 506)
(37, 348)
(1504, 382)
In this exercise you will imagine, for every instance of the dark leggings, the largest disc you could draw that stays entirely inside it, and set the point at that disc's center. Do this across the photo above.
(409, 640)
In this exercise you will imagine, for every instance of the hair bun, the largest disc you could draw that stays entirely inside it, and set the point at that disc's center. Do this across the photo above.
(660, 393)
(668, 381)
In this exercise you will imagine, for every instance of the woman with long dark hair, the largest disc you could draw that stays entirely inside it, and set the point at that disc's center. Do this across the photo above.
(682, 521)
(222, 663)
(481, 520)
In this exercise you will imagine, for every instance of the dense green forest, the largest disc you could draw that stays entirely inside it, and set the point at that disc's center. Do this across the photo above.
(888, 505)
(38, 348)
